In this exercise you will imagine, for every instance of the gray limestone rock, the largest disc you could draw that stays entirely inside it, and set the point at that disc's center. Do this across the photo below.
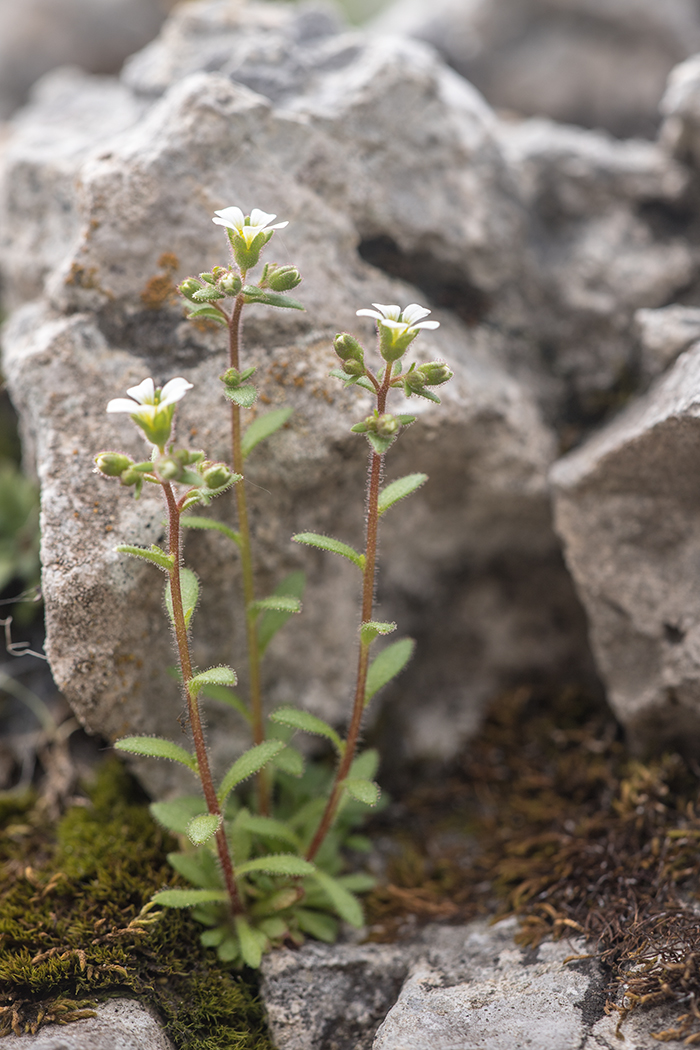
(120, 1024)
(121, 213)
(452, 988)
(600, 63)
(664, 333)
(628, 512)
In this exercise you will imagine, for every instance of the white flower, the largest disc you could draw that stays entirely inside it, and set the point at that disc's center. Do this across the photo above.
(147, 400)
(247, 227)
(401, 323)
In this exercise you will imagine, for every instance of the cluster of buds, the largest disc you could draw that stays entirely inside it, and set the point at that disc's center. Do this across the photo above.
(420, 377)
(279, 278)
(236, 387)
(351, 354)
(220, 283)
(381, 429)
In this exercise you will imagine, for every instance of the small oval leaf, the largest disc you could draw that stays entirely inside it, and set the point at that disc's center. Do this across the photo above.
(277, 864)
(214, 676)
(154, 555)
(387, 665)
(327, 543)
(399, 489)
(188, 898)
(156, 747)
(292, 716)
(346, 905)
(201, 829)
(250, 762)
(272, 620)
(365, 791)
(263, 427)
(189, 588)
(191, 521)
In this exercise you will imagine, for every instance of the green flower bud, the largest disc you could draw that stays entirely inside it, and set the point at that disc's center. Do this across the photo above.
(347, 347)
(435, 373)
(217, 476)
(283, 278)
(248, 255)
(113, 464)
(132, 477)
(169, 469)
(352, 367)
(189, 286)
(386, 425)
(230, 283)
(413, 382)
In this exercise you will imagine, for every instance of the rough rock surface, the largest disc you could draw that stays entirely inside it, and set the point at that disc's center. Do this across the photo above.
(148, 180)
(627, 507)
(536, 245)
(464, 987)
(120, 1024)
(39, 35)
(600, 63)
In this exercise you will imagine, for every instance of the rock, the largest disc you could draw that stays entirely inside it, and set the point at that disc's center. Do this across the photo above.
(333, 996)
(132, 213)
(40, 35)
(627, 507)
(665, 333)
(120, 1024)
(599, 63)
(460, 987)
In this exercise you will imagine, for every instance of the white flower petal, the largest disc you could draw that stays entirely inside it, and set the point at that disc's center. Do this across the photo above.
(174, 390)
(369, 313)
(414, 312)
(279, 225)
(232, 217)
(427, 324)
(144, 392)
(261, 218)
(396, 326)
(122, 404)
(392, 312)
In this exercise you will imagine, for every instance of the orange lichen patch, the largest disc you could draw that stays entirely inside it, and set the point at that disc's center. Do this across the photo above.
(159, 291)
(169, 261)
(83, 277)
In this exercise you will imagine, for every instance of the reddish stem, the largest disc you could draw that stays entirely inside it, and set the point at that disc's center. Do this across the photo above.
(192, 703)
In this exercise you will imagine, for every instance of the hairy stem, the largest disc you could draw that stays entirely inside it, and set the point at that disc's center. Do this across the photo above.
(256, 711)
(368, 582)
(183, 647)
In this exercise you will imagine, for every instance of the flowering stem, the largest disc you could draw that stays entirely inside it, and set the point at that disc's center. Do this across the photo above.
(192, 703)
(256, 711)
(375, 466)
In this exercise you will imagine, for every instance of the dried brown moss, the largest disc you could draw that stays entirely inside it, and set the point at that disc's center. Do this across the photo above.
(548, 817)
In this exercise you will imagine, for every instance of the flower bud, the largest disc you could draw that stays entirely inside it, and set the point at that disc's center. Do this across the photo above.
(189, 286)
(217, 476)
(413, 382)
(435, 373)
(353, 367)
(113, 464)
(283, 278)
(347, 347)
(132, 477)
(169, 469)
(387, 425)
(230, 283)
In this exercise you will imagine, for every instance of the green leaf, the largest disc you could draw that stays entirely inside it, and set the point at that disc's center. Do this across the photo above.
(268, 828)
(156, 747)
(280, 900)
(214, 676)
(289, 761)
(406, 421)
(272, 620)
(229, 950)
(226, 696)
(198, 868)
(251, 941)
(201, 829)
(277, 864)
(245, 396)
(365, 766)
(189, 588)
(276, 603)
(372, 628)
(274, 927)
(210, 938)
(428, 394)
(358, 882)
(346, 905)
(249, 762)
(365, 791)
(399, 489)
(380, 444)
(205, 313)
(188, 898)
(176, 815)
(253, 294)
(322, 927)
(327, 543)
(387, 665)
(155, 555)
(263, 427)
(191, 522)
(292, 716)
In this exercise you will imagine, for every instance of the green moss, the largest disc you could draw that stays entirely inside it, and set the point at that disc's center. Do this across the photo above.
(75, 927)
